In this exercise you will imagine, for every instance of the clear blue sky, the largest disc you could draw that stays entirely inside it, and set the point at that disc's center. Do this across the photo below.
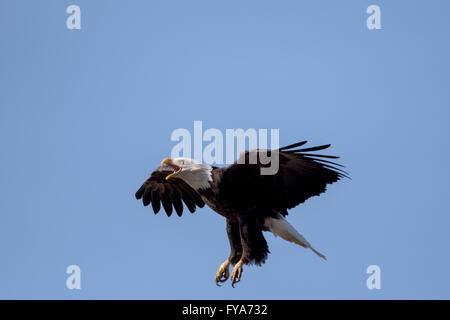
(87, 114)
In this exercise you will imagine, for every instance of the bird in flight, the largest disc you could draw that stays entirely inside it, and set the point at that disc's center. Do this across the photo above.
(250, 201)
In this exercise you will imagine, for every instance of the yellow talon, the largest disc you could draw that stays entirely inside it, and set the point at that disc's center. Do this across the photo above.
(223, 273)
(236, 273)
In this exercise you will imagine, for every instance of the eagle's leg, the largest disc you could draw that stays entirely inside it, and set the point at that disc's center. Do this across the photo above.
(254, 246)
(237, 272)
(235, 253)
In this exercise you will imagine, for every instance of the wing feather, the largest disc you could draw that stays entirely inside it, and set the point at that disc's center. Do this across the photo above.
(171, 193)
(301, 174)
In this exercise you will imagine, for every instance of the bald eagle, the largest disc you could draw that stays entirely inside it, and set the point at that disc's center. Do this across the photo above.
(251, 202)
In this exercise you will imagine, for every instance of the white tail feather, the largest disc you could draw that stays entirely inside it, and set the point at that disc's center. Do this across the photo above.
(280, 227)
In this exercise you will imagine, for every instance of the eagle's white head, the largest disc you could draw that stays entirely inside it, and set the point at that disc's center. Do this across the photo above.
(194, 173)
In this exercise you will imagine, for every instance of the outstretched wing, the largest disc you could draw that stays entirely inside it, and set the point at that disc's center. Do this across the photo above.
(172, 192)
(301, 174)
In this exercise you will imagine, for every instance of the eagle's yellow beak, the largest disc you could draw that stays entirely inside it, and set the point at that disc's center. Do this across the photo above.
(168, 162)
